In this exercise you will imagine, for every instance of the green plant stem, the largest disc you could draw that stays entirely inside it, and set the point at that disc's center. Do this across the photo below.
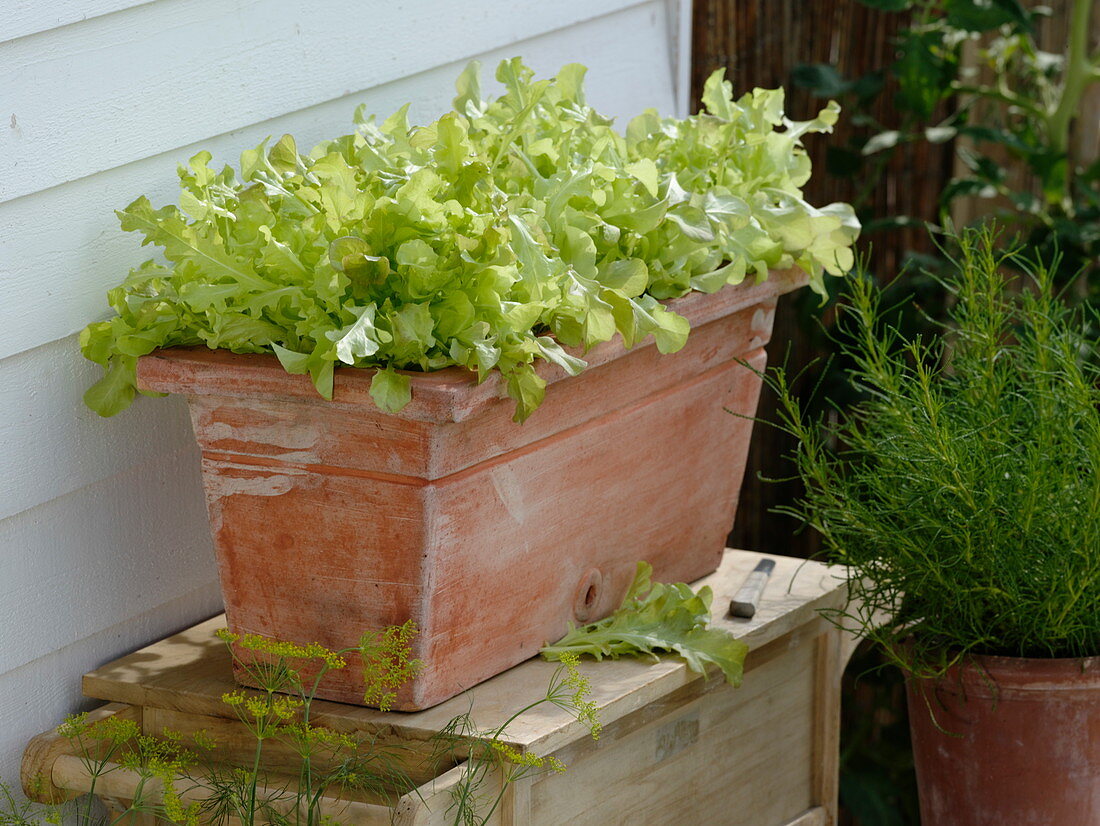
(1079, 73)
(255, 776)
(1005, 96)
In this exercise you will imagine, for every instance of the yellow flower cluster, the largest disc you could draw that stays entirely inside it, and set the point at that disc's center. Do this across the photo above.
(283, 649)
(304, 737)
(158, 755)
(292, 651)
(75, 725)
(280, 708)
(584, 708)
(233, 698)
(175, 811)
(386, 663)
(114, 729)
(526, 758)
(164, 758)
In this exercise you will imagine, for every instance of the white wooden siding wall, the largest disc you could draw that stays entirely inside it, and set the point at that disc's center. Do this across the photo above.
(103, 541)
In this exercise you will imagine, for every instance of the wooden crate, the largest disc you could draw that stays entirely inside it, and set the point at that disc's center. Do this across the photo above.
(675, 748)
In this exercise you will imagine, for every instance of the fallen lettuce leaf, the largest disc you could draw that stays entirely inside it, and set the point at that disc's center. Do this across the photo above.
(658, 618)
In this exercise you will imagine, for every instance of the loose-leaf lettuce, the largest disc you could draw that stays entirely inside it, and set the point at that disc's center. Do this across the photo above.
(657, 618)
(493, 238)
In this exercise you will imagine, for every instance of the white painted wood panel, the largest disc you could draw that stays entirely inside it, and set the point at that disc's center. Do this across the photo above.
(61, 250)
(83, 562)
(52, 445)
(37, 695)
(164, 75)
(19, 18)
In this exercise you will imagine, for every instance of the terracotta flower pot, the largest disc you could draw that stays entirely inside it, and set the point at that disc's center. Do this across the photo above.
(1017, 742)
(331, 518)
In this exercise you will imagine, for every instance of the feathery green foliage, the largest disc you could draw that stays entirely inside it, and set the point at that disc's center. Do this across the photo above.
(965, 493)
(493, 238)
(184, 780)
(475, 798)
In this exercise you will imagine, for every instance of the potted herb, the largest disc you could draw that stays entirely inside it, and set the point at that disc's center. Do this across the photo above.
(467, 267)
(964, 495)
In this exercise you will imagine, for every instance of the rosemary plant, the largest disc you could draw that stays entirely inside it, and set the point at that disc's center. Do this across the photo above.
(964, 490)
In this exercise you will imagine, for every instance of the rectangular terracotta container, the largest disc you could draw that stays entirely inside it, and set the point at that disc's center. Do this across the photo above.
(330, 518)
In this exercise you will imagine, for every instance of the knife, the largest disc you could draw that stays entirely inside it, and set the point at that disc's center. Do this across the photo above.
(746, 600)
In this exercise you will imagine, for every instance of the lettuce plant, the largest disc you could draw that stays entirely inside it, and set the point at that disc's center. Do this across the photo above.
(511, 231)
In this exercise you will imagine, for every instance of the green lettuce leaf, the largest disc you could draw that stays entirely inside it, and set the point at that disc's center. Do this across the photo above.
(657, 618)
(390, 390)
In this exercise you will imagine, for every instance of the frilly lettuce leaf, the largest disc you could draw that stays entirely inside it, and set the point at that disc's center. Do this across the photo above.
(657, 618)
(505, 231)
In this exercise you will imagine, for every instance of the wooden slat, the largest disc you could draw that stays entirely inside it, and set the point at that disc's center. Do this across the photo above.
(44, 424)
(739, 758)
(36, 772)
(236, 745)
(102, 555)
(115, 781)
(164, 75)
(828, 667)
(21, 18)
(816, 816)
(430, 805)
(190, 671)
(61, 249)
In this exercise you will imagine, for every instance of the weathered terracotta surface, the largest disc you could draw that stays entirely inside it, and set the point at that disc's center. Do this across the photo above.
(1017, 742)
(330, 518)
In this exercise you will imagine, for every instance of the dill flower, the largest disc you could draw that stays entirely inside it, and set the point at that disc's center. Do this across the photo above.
(526, 759)
(578, 701)
(74, 725)
(292, 651)
(114, 729)
(233, 698)
(386, 663)
(305, 738)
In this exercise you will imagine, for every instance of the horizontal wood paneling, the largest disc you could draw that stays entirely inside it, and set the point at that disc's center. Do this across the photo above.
(19, 18)
(81, 563)
(61, 250)
(37, 695)
(164, 75)
(53, 445)
(104, 543)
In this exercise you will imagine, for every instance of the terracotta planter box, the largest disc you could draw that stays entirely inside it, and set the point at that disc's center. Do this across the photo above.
(331, 518)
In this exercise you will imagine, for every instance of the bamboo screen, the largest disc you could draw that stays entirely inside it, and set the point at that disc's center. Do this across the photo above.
(759, 42)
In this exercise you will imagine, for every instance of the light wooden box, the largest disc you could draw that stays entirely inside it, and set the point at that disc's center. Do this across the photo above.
(675, 748)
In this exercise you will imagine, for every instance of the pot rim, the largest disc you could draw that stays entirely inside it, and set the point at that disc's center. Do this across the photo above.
(994, 676)
(447, 395)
